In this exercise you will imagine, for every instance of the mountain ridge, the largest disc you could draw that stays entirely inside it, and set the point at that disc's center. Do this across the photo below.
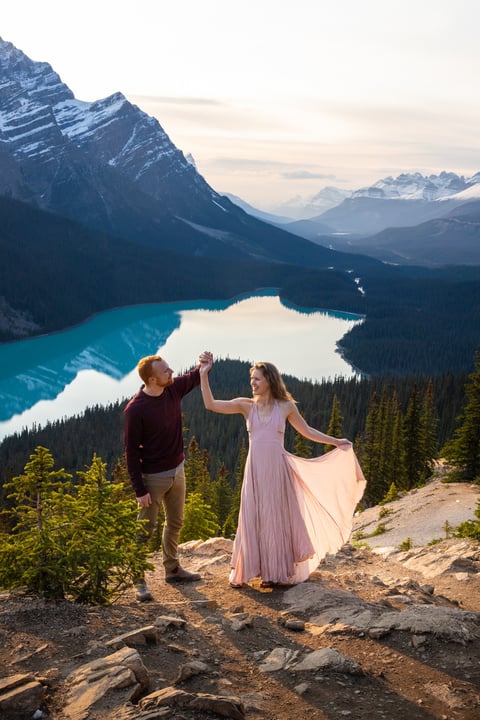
(406, 186)
(394, 211)
(441, 241)
(112, 167)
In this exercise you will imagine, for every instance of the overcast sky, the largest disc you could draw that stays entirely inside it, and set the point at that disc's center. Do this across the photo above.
(278, 98)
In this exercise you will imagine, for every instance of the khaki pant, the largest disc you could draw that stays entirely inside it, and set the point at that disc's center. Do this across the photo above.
(168, 490)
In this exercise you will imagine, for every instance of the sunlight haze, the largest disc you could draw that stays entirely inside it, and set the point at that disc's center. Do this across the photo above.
(278, 99)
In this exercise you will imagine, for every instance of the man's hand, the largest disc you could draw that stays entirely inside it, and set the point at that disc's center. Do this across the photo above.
(144, 501)
(206, 361)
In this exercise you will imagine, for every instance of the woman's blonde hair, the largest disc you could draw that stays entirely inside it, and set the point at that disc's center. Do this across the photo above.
(274, 379)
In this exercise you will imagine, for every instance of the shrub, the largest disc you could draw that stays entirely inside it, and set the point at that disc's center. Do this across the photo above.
(380, 529)
(70, 541)
(406, 544)
(200, 520)
(470, 528)
(391, 495)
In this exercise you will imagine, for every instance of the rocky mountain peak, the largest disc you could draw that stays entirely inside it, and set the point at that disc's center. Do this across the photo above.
(88, 160)
(38, 80)
(415, 186)
(112, 168)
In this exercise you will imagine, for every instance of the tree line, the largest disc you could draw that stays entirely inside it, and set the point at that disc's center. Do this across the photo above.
(370, 409)
(426, 324)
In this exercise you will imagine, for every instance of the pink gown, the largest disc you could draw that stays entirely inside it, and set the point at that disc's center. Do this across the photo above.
(293, 510)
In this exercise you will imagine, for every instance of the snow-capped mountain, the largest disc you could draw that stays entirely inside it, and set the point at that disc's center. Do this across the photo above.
(66, 149)
(471, 192)
(407, 186)
(112, 167)
(413, 218)
(300, 208)
(404, 201)
(415, 186)
(327, 197)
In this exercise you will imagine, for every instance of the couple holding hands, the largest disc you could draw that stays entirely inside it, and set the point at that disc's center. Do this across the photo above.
(293, 510)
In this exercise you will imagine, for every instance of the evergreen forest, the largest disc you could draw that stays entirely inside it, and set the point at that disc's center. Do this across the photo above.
(398, 426)
(417, 320)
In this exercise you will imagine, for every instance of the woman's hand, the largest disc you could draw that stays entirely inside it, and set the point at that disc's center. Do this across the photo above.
(344, 444)
(206, 362)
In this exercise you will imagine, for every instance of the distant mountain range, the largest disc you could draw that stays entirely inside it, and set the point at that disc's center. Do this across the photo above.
(396, 219)
(452, 238)
(111, 167)
(407, 186)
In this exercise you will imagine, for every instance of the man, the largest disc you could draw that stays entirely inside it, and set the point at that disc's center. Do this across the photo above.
(154, 452)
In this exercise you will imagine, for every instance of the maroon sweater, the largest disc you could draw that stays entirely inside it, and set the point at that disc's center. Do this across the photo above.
(153, 436)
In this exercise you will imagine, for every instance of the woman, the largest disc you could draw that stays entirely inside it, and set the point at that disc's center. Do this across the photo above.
(292, 511)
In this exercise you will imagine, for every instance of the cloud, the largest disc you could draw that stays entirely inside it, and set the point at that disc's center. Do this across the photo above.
(245, 162)
(264, 153)
(171, 100)
(307, 175)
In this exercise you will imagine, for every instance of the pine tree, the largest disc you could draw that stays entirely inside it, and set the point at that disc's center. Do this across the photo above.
(395, 448)
(223, 495)
(230, 526)
(335, 425)
(200, 520)
(102, 548)
(470, 528)
(76, 541)
(392, 456)
(120, 475)
(464, 448)
(302, 447)
(430, 429)
(197, 474)
(414, 438)
(391, 495)
(33, 553)
(370, 451)
(382, 447)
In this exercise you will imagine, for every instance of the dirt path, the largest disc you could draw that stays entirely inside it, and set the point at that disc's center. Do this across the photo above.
(403, 674)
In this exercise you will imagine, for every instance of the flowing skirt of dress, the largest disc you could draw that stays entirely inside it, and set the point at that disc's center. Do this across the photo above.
(293, 510)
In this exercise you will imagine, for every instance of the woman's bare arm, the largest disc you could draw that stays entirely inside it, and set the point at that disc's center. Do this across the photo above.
(301, 426)
(225, 407)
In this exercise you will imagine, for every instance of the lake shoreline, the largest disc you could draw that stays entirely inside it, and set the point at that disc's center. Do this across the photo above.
(259, 292)
(59, 374)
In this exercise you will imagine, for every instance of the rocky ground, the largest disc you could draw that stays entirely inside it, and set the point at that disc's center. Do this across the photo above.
(375, 633)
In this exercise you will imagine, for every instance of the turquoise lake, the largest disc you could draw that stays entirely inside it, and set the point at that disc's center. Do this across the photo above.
(59, 375)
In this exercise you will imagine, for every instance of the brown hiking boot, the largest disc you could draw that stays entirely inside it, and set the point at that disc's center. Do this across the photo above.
(181, 575)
